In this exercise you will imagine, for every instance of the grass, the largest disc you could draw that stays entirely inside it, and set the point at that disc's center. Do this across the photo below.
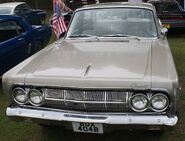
(21, 131)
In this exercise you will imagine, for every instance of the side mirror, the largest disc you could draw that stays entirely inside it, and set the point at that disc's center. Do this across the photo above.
(164, 31)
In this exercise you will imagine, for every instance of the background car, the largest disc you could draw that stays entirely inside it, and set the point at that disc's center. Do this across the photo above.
(170, 13)
(19, 40)
(33, 16)
(74, 4)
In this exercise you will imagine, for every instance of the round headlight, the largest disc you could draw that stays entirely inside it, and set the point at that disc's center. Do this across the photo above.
(159, 102)
(36, 97)
(139, 102)
(19, 95)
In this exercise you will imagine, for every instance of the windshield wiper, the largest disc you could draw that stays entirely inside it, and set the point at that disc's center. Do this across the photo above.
(83, 36)
(122, 35)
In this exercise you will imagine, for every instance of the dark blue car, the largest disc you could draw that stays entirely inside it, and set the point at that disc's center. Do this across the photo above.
(33, 16)
(19, 40)
(170, 13)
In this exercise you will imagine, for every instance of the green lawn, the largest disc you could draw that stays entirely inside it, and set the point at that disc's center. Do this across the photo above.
(20, 131)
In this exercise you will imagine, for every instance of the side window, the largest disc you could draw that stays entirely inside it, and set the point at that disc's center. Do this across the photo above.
(18, 10)
(21, 9)
(9, 30)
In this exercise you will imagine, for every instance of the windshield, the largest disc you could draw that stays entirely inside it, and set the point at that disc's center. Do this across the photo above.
(5, 10)
(109, 22)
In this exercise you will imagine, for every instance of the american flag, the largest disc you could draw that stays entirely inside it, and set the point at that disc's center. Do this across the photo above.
(58, 23)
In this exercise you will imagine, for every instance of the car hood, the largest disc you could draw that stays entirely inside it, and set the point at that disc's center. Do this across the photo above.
(113, 61)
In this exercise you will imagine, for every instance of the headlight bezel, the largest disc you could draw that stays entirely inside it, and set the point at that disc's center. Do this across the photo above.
(166, 105)
(136, 95)
(14, 97)
(34, 103)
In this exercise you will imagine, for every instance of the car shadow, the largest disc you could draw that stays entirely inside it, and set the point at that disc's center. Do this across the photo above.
(176, 33)
(59, 133)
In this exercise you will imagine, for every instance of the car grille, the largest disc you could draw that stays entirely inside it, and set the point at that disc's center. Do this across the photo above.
(87, 100)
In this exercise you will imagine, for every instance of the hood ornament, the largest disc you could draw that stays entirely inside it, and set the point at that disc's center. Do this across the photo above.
(87, 70)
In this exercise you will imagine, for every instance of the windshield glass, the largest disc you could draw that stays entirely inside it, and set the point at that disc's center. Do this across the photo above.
(109, 22)
(5, 10)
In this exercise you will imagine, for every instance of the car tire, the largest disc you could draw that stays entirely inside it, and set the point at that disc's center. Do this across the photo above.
(37, 46)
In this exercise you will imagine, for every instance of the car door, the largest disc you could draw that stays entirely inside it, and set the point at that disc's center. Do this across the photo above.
(13, 46)
(29, 14)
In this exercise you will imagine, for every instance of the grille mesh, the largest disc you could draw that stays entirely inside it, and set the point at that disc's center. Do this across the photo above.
(86, 100)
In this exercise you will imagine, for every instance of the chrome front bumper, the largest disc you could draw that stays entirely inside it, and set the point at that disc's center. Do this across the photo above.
(117, 119)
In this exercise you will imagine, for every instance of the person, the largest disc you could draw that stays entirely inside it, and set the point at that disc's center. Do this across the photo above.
(63, 7)
(58, 23)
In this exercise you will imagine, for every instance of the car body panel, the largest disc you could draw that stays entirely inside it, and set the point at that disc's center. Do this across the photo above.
(63, 61)
(111, 119)
(95, 57)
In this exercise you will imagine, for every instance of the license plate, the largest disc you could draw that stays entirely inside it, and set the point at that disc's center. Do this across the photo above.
(167, 26)
(87, 127)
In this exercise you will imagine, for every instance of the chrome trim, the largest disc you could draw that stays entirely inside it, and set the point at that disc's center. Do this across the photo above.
(92, 112)
(92, 118)
(64, 98)
(127, 97)
(105, 99)
(86, 97)
(87, 70)
(31, 102)
(161, 90)
(84, 94)
(137, 94)
(24, 91)
(167, 105)
(86, 102)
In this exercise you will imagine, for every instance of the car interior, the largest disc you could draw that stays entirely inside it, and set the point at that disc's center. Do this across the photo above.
(9, 30)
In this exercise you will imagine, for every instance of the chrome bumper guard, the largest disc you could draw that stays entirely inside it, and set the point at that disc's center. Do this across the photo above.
(121, 119)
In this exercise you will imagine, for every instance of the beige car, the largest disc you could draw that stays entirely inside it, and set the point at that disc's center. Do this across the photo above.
(113, 69)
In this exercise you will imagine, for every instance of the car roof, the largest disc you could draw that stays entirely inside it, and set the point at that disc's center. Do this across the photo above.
(119, 4)
(11, 4)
